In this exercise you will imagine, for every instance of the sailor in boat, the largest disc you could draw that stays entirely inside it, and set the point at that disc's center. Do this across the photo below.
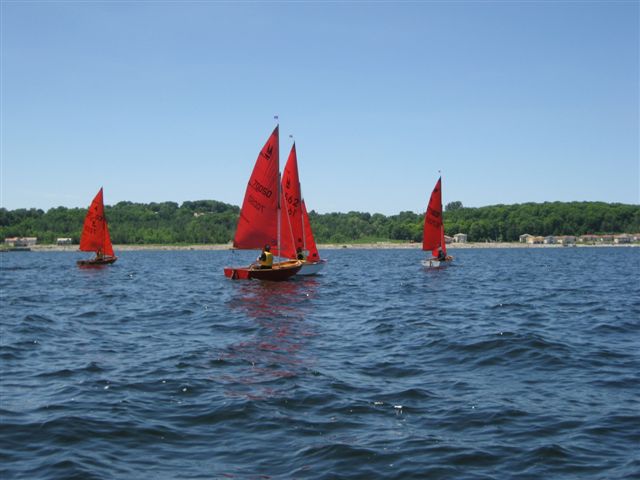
(300, 254)
(265, 260)
(443, 257)
(99, 255)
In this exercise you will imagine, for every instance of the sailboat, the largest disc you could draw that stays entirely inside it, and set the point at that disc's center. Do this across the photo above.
(433, 236)
(259, 224)
(95, 235)
(298, 218)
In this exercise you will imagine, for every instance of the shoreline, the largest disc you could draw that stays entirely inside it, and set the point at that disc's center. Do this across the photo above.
(328, 246)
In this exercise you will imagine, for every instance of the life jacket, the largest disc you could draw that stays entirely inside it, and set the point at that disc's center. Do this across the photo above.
(268, 259)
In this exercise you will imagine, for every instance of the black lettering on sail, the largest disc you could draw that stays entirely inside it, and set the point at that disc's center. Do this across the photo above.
(258, 187)
(256, 204)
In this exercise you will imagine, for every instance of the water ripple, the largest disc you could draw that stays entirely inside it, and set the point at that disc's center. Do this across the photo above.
(514, 364)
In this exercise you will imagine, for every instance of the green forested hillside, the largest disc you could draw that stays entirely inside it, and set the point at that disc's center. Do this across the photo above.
(204, 221)
(498, 222)
(209, 221)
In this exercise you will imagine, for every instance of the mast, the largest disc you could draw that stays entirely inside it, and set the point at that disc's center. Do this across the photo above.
(304, 233)
(279, 192)
(278, 211)
(443, 244)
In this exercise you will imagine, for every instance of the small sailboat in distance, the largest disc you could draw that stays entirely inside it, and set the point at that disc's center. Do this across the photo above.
(433, 235)
(259, 225)
(95, 235)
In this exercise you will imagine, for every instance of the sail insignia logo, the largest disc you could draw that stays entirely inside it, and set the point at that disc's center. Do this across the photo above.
(268, 152)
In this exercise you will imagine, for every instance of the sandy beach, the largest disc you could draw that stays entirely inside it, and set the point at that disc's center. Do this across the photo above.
(328, 246)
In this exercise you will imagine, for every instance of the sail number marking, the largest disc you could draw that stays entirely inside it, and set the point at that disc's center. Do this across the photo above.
(258, 187)
(256, 204)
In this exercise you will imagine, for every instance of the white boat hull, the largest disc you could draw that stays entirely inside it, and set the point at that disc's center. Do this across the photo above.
(435, 263)
(311, 268)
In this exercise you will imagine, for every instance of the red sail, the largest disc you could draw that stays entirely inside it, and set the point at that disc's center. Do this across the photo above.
(287, 245)
(292, 230)
(258, 222)
(95, 232)
(108, 247)
(310, 242)
(433, 236)
(295, 220)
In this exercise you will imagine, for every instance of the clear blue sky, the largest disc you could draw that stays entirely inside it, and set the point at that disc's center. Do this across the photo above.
(521, 101)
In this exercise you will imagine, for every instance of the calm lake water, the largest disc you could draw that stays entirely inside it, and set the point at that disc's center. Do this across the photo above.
(515, 363)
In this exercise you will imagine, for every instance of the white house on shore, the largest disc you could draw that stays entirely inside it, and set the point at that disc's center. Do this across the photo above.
(524, 238)
(624, 238)
(567, 240)
(21, 241)
(460, 238)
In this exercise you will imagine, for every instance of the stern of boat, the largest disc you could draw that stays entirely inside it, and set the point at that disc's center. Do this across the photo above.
(312, 268)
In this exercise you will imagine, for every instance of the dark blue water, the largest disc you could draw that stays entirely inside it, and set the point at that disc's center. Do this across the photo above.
(512, 364)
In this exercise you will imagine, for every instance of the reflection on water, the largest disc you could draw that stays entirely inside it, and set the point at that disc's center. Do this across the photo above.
(276, 314)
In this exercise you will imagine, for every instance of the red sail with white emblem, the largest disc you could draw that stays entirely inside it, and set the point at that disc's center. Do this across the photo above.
(95, 232)
(258, 222)
(433, 235)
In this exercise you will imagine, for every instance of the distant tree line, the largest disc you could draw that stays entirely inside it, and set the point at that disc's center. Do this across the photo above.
(203, 221)
(209, 221)
(502, 223)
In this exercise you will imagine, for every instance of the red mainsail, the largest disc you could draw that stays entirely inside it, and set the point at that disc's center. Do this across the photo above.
(95, 232)
(433, 235)
(258, 222)
(294, 213)
(292, 196)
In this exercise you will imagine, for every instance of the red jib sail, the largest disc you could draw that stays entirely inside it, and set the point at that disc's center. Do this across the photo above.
(95, 232)
(258, 222)
(433, 235)
(310, 242)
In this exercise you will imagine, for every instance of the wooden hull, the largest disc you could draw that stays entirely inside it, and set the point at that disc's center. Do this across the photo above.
(435, 263)
(311, 268)
(96, 262)
(279, 272)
